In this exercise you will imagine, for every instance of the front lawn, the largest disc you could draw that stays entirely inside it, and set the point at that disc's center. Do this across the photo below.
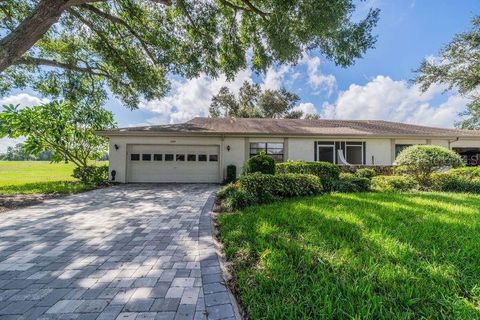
(358, 256)
(27, 177)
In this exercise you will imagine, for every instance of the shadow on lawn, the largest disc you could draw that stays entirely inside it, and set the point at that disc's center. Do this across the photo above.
(367, 255)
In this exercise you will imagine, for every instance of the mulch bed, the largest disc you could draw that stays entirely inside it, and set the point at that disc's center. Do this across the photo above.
(10, 202)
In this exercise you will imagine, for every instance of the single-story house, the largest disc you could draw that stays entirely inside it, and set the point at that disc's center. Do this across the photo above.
(200, 150)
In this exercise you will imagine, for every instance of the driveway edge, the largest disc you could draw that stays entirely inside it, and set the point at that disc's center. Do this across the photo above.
(208, 213)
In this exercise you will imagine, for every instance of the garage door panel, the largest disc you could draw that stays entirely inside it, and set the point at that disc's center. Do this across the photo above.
(173, 171)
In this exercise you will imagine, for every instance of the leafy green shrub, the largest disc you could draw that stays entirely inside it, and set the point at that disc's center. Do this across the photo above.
(226, 191)
(260, 163)
(326, 171)
(421, 161)
(455, 182)
(263, 188)
(348, 182)
(231, 173)
(393, 183)
(237, 199)
(466, 172)
(365, 173)
(92, 174)
(380, 170)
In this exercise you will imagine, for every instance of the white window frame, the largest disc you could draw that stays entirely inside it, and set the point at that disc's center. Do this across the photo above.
(355, 145)
(328, 146)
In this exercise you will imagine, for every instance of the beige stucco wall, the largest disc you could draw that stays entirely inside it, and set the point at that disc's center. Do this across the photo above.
(378, 151)
(235, 156)
(300, 149)
(465, 143)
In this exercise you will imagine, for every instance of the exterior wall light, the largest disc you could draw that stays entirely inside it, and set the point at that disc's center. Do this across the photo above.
(116, 146)
(228, 148)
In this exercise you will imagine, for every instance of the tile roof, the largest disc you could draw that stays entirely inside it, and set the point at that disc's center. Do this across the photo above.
(293, 127)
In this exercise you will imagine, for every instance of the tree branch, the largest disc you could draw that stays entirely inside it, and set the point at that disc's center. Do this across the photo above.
(56, 64)
(255, 9)
(117, 20)
(30, 30)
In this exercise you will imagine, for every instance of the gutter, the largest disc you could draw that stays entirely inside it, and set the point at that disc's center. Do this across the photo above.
(246, 134)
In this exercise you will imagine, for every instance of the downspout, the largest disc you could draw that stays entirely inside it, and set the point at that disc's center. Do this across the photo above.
(450, 142)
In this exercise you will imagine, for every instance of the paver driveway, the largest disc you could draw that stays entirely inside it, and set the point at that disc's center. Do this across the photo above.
(126, 252)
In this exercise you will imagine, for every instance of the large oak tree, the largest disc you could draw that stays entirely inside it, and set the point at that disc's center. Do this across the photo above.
(457, 67)
(81, 50)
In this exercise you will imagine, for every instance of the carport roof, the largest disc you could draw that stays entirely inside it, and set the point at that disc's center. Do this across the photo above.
(293, 127)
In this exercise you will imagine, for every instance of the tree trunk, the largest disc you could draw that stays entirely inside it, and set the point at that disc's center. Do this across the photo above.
(30, 30)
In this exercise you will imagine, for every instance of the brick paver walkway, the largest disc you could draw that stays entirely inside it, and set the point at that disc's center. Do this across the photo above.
(126, 252)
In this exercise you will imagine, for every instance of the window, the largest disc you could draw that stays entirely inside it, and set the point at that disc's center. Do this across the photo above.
(202, 157)
(354, 152)
(180, 157)
(213, 158)
(157, 157)
(326, 151)
(135, 157)
(191, 157)
(400, 147)
(274, 150)
(168, 157)
(146, 157)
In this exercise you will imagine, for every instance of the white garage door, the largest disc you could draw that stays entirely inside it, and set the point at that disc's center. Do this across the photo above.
(167, 163)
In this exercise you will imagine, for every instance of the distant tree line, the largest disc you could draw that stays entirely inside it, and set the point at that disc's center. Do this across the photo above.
(19, 153)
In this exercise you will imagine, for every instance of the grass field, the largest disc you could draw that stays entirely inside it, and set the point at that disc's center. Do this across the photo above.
(358, 256)
(26, 177)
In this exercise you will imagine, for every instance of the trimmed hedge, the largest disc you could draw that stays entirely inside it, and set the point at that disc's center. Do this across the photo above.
(263, 188)
(365, 173)
(326, 171)
(420, 161)
(379, 170)
(349, 182)
(453, 181)
(260, 163)
(92, 174)
(393, 183)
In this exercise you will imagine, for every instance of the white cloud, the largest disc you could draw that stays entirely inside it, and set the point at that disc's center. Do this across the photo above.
(191, 98)
(24, 100)
(275, 77)
(387, 99)
(306, 108)
(317, 80)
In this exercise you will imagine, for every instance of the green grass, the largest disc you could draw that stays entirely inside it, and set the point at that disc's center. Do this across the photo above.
(358, 256)
(27, 177)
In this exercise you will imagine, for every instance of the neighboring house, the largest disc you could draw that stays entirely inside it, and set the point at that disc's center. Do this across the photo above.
(199, 150)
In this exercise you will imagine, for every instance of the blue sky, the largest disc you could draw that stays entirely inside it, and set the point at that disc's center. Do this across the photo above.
(375, 87)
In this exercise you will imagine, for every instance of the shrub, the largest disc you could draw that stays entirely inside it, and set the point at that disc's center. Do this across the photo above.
(380, 170)
(454, 182)
(263, 188)
(231, 173)
(466, 172)
(421, 161)
(365, 173)
(349, 182)
(326, 171)
(237, 199)
(226, 191)
(393, 183)
(92, 174)
(260, 163)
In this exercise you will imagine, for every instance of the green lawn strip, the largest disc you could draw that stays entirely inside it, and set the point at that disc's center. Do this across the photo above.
(29, 177)
(358, 256)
